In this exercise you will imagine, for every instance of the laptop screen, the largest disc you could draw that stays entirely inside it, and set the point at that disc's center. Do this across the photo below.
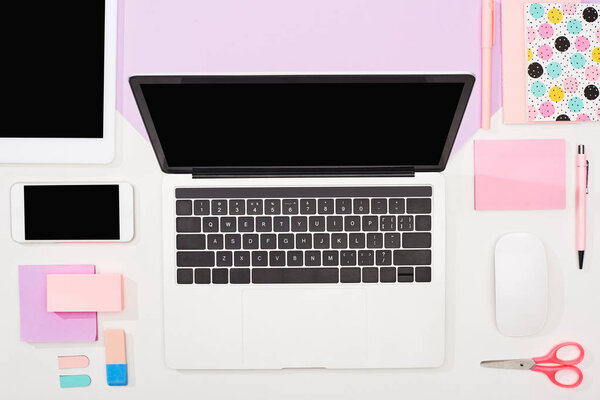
(304, 121)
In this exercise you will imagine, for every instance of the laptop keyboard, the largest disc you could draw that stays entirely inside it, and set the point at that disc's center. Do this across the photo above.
(303, 235)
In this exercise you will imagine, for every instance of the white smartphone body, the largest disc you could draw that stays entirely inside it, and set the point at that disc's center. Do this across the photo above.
(72, 212)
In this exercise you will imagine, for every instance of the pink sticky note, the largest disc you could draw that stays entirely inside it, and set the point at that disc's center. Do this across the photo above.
(519, 174)
(39, 325)
(76, 292)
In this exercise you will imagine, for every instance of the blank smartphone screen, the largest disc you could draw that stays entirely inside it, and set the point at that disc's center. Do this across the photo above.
(72, 212)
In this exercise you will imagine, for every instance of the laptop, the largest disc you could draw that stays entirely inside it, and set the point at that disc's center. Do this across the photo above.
(303, 216)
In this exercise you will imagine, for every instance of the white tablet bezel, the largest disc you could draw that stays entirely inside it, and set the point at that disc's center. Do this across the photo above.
(78, 150)
(126, 212)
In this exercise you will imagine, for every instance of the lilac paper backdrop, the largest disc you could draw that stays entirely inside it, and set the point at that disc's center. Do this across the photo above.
(199, 36)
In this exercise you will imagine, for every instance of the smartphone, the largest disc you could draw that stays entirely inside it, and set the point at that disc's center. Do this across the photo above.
(72, 212)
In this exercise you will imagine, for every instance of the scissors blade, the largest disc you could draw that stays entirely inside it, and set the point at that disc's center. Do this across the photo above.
(523, 363)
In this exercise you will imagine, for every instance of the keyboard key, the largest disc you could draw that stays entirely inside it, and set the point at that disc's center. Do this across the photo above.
(331, 258)
(210, 224)
(237, 207)
(396, 206)
(214, 241)
(316, 224)
(185, 275)
(224, 258)
(418, 206)
(412, 257)
(343, 206)
(357, 241)
(290, 206)
(335, 223)
(245, 224)
(277, 258)
(303, 241)
(241, 258)
(405, 223)
(387, 223)
(366, 257)
(348, 257)
(374, 240)
(281, 224)
(233, 241)
(268, 241)
(201, 207)
(392, 240)
(350, 275)
(294, 258)
(188, 224)
(202, 275)
(370, 274)
(299, 224)
(295, 275)
(228, 224)
(260, 258)
(405, 274)
(321, 241)
(352, 223)
(312, 258)
(195, 259)
(285, 241)
(423, 274)
(239, 275)
(183, 207)
(339, 240)
(308, 206)
(361, 206)
(387, 274)
(255, 207)
(370, 223)
(383, 257)
(220, 275)
(272, 206)
(191, 242)
(379, 206)
(250, 241)
(326, 206)
(423, 223)
(219, 207)
(264, 224)
(416, 240)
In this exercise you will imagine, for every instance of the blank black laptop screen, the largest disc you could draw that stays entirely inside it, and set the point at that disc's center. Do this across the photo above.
(302, 124)
(52, 69)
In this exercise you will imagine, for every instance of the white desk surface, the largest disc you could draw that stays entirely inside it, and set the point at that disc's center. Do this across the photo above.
(29, 371)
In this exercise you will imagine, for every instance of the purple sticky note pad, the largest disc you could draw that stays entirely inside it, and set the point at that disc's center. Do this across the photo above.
(39, 325)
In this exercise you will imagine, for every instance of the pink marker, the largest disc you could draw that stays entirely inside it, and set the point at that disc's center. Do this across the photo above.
(487, 41)
(581, 182)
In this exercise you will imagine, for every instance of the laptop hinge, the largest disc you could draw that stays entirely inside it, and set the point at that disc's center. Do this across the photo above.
(198, 173)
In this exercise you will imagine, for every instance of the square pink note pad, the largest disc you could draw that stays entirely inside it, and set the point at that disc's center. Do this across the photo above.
(520, 174)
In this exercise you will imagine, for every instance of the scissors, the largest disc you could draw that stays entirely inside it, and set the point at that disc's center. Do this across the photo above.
(554, 364)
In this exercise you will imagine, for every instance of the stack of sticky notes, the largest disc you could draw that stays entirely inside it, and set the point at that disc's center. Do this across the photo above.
(58, 303)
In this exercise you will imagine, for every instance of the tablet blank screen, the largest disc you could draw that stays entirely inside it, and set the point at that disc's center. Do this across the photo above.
(52, 69)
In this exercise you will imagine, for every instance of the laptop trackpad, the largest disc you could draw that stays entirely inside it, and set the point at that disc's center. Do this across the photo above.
(304, 327)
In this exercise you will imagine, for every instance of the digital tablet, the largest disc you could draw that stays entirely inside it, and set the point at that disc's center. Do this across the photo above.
(58, 81)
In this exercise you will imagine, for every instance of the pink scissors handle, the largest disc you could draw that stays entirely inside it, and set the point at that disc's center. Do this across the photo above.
(552, 371)
(560, 364)
(552, 357)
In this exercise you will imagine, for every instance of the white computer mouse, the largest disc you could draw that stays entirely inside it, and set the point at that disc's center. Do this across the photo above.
(521, 272)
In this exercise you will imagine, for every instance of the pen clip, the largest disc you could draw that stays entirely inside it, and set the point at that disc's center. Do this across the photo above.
(587, 176)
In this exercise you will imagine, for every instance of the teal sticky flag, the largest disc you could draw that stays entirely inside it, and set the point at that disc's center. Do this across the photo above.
(67, 381)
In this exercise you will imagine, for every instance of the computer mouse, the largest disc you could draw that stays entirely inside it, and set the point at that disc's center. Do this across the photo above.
(521, 273)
